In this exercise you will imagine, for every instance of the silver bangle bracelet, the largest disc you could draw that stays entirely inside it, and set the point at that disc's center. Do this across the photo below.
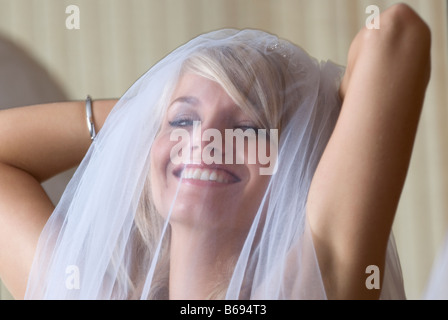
(89, 114)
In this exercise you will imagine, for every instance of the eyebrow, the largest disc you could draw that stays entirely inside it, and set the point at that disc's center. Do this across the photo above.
(186, 99)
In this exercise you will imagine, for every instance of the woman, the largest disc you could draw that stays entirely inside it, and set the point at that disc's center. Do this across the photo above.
(148, 215)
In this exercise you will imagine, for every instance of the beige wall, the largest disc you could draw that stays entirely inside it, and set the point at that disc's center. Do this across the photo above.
(119, 40)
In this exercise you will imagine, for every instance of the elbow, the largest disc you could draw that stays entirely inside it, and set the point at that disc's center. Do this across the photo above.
(407, 38)
(402, 34)
(418, 36)
(403, 42)
(402, 21)
(404, 14)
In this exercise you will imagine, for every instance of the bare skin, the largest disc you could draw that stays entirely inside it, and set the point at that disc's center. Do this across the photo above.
(357, 185)
(36, 143)
(353, 196)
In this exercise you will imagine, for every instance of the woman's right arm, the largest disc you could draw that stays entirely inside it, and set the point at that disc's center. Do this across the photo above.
(36, 143)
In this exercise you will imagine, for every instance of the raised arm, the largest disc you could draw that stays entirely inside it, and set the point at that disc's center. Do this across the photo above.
(359, 180)
(36, 143)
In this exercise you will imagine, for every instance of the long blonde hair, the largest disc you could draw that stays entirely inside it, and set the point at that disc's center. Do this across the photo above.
(256, 82)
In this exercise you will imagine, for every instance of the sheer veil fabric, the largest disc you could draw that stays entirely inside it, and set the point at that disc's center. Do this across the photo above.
(436, 288)
(119, 234)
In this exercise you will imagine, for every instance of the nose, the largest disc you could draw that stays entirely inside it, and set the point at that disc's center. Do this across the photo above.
(207, 142)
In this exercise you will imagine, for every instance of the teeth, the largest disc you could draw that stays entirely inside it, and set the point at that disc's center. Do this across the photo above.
(204, 175)
(197, 174)
(213, 176)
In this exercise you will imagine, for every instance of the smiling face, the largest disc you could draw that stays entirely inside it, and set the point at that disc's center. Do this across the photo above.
(211, 195)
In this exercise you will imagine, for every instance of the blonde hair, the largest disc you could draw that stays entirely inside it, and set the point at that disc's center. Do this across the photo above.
(256, 83)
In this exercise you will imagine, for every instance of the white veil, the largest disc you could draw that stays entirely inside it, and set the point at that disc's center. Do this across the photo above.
(96, 245)
(436, 288)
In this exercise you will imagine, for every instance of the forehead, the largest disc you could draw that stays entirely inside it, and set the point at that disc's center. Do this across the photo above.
(195, 90)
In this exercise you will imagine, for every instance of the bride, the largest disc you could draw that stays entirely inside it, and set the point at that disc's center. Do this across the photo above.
(135, 224)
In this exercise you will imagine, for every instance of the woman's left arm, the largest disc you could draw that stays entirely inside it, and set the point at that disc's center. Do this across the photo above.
(357, 186)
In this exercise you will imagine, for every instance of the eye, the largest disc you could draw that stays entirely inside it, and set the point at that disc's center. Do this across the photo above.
(247, 126)
(180, 123)
(183, 120)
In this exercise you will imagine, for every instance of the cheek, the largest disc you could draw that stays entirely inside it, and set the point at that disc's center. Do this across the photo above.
(257, 183)
(159, 164)
(160, 154)
(255, 189)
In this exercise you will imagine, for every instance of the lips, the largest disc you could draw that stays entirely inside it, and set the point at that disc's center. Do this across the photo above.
(207, 174)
